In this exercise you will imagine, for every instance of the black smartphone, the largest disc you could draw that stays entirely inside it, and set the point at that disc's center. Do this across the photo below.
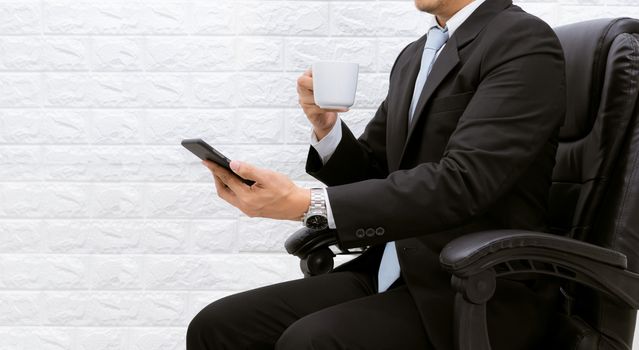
(204, 151)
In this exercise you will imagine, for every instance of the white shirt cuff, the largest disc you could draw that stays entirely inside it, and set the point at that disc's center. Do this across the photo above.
(329, 211)
(327, 146)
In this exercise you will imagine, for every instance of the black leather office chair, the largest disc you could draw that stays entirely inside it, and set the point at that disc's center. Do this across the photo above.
(593, 243)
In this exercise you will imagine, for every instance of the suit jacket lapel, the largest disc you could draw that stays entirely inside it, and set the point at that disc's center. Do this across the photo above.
(445, 62)
(449, 58)
(407, 76)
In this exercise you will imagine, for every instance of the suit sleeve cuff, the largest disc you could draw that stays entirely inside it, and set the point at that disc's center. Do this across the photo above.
(329, 211)
(327, 146)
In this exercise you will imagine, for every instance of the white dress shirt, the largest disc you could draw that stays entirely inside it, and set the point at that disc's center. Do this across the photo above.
(326, 147)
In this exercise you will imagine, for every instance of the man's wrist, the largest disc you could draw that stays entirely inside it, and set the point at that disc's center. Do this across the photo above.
(321, 133)
(302, 203)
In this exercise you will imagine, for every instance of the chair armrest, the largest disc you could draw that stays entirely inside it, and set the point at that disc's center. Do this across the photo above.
(518, 252)
(305, 240)
(466, 250)
(477, 260)
(312, 247)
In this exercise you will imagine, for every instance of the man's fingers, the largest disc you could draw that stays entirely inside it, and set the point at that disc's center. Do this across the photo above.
(249, 171)
(307, 100)
(228, 178)
(211, 165)
(339, 110)
(305, 82)
(224, 192)
(308, 72)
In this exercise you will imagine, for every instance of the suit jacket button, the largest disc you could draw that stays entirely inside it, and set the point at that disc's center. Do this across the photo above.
(360, 233)
(370, 232)
(379, 231)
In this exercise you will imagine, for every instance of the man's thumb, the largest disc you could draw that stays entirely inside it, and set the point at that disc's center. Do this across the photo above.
(244, 170)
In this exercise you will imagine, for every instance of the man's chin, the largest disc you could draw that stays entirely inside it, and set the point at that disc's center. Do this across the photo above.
(426, 5)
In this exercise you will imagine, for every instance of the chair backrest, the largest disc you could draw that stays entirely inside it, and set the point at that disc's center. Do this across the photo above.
(595, 192)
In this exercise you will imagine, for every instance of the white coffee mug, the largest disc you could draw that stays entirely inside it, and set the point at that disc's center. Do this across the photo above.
(334, 84)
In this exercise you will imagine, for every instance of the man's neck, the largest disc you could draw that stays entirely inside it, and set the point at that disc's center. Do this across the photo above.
(452, 8)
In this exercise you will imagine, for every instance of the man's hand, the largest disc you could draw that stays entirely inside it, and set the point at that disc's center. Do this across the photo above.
(273, 195)
(323, 120)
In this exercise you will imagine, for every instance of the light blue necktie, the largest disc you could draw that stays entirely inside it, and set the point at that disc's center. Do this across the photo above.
(389, 267)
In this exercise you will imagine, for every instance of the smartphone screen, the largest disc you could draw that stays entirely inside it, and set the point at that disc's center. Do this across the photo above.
(205, 152)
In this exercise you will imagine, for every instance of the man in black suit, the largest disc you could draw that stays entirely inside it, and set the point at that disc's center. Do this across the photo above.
(464, 141)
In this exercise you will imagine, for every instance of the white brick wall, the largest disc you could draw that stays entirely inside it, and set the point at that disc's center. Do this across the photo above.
(111, 236)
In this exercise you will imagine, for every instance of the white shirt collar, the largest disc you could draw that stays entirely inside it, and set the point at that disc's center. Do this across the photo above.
(458, 18)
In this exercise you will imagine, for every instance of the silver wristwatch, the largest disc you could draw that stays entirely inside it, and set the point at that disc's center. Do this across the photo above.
(316, 217)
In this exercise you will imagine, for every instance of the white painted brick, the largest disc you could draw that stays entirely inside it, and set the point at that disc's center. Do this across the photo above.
(69, 236)
(117, 53)
(225, 272)
(217, 126)
(116, 90)
(21, 236)
(20, 17)
(66, 199)
(218, 18)
(158, 339)
(548, 11)
(301, 52)
(259, 126)
(186, 201)
(260, 53)
(116, 272)
(298, 127)
(20, 90)
(21, 53)
(117, 200)
(119, 236)
(116, 308)
(213, 90)
(372, 89)
(212, 236)
(21, 126)
(111, 233)
(68, 90)
(101, 339)
(20, 163)
(64, 53)
(357, 119)
(114, 126)
(48, 339)
(20, 308)
(65, 126)
(66, 163)
(180, 53)
(401, 19)
(572, 14)
(388, 50)
(149, 90)
(35, 272)
(20, 200)
(382, 19)
(257, 235)
(353, 19)
(266, 89)
(115, 18)
(283, 17)
(11, 339)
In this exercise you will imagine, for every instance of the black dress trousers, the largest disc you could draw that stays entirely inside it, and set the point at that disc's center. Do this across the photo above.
(339, 310)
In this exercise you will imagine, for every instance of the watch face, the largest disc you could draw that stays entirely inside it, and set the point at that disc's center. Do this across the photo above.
(316, 222)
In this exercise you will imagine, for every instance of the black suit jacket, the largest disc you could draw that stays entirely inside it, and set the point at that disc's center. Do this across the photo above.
(478, 155)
